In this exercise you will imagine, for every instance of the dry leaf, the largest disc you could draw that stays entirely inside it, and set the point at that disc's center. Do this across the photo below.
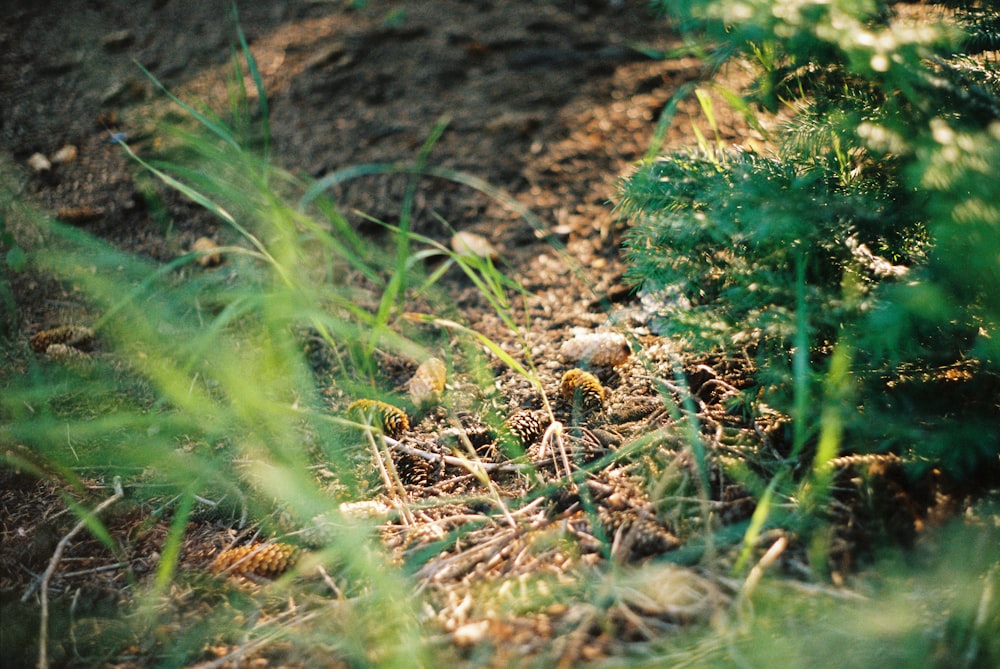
(471, 244)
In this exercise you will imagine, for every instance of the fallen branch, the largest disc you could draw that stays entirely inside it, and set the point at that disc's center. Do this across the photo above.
(43, 594)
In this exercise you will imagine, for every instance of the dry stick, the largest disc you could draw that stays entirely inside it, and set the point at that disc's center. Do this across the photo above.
(452, 460)
(757, 572)
(43, 594)
(464, 560)
(337, 593)
(95, 570)
(553, 433)
(390, 477)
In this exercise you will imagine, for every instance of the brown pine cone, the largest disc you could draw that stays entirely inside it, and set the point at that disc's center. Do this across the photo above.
(526, 427)
(413, 470)
(647, 536)
(66, 353)
(77, 336)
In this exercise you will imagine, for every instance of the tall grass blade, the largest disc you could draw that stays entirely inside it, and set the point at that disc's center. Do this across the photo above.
(170, 554)
(258, 81)
(665, 119)
(217, 127)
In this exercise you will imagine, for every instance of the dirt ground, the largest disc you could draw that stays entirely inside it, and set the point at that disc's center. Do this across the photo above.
(551, 101)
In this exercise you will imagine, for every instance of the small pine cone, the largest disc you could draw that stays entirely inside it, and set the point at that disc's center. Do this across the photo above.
(66, 353)
(646, 536)
(873, 461)
(77, 336)
(653, 539)
(393, 420)
(632, 409)
(526, 427)
(582, 389)
(413, 470)
(256, 559)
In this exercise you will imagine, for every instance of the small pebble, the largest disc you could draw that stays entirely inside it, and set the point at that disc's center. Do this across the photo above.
(39, 163)
(66, 154)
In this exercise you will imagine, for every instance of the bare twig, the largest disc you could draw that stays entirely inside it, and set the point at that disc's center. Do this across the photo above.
(757, 572)
(553, 435)
(455, 462)
(95, 570)
(43, 632)
(337, 593)
(390, 477)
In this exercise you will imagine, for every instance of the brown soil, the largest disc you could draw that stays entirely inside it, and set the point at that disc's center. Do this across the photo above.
(547, 100)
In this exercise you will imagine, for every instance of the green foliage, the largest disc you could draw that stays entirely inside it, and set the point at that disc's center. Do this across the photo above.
(857, 259)
(725, 234)
(870, 226)
(837, 253)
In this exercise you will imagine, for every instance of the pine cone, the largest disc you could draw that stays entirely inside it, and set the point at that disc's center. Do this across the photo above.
(77, 336)
(391, 419)
(582, 389)
(65, 353)
(413, 470)
(526, 427)
(648, 537)
(256, 559)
